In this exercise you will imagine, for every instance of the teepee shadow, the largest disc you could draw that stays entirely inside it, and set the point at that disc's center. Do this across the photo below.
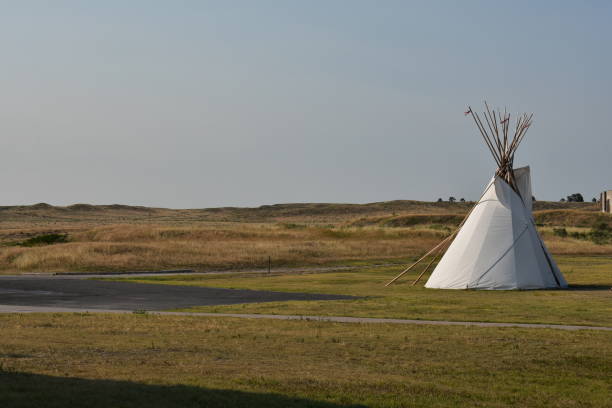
(590, 287)
(24, 390)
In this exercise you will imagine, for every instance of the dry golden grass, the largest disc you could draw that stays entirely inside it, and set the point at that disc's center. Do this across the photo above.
(109, 238)
(576, 218)
(570, 246)
(146, 247)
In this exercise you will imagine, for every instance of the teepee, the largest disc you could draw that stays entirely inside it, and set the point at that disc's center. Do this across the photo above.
(497, 245)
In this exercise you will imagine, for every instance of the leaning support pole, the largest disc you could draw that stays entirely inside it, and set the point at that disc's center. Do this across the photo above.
(436, 255)
(421, 258)
(502, 146)
(443, 241)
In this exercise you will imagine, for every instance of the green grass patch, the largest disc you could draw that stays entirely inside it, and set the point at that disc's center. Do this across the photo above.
(62, 360)
(600, 234)
(587, 302)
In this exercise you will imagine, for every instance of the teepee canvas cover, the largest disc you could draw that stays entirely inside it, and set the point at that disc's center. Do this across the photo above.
(498, 246)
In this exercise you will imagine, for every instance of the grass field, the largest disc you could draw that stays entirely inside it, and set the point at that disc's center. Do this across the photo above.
(141, 360)
(214, 247)
(588, 302)
(163, 361)
(115, 238)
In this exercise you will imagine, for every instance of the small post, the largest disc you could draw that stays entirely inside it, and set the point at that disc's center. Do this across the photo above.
(269, 263)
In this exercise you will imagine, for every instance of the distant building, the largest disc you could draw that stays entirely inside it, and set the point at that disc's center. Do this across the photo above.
(606, 201)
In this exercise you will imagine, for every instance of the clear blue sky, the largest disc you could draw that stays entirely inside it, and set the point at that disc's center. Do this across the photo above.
(197, 104)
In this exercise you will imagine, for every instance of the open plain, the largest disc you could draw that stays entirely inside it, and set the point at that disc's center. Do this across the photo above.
(143, 359)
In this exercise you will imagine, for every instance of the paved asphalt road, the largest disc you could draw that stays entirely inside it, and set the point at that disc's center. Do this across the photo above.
(45, 294)
(65, 292)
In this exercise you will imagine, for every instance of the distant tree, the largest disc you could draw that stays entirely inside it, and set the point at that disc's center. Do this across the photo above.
(562, 200)
(594, 200)
(440, 200)
(462, 200)
(451, 199)
(575, 198)
(533, 199)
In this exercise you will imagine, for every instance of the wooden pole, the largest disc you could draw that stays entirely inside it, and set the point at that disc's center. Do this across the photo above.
(440, 250)
(420, 259)
(485, 136)
(502, 152)
(493, 124)
(443, 241)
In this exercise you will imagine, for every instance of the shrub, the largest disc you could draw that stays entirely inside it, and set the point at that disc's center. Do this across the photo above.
(289, 225)
(601, 234)
(575, 198)
(45, 239)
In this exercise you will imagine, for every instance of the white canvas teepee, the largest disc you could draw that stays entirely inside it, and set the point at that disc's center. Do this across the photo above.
(497, 245)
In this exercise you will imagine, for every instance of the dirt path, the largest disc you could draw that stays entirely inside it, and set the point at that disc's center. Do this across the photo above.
(334, 319)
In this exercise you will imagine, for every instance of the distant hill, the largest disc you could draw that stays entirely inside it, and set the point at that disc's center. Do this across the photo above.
(305, 212)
